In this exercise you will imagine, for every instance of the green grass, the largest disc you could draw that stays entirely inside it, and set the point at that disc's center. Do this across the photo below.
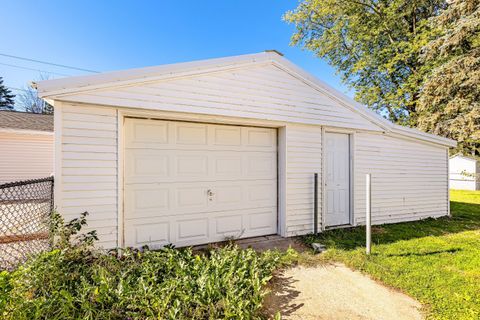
(436, 261)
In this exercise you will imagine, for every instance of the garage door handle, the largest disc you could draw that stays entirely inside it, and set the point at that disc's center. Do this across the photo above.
(210, 193)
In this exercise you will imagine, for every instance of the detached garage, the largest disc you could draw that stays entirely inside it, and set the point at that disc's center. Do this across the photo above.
(198, 152)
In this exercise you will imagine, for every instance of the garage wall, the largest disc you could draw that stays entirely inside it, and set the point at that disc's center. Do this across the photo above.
(89, 168)
(304, 158)
(25, 156)
(409, 178)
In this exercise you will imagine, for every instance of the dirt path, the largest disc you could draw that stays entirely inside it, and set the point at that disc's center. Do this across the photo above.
(336, 292)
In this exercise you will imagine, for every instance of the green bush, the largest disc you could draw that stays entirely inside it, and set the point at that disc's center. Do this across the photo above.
(75, 281)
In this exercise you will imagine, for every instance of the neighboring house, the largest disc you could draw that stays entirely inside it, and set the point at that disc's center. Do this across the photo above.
(198, 152)
(26, 146)
(464, 173)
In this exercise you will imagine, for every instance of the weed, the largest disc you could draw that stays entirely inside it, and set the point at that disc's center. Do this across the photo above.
(76, 281)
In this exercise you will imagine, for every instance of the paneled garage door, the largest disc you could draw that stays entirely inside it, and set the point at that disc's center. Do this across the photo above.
(193, 183)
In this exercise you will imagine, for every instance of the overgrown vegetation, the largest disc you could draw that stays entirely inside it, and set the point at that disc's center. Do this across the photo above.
(437, 261)
(75, 281)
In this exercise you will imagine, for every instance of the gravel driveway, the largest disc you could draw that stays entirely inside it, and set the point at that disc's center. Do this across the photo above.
(336, 292)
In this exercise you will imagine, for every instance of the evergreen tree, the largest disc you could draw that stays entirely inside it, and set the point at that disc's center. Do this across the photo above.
(6, 97)
(449, 104)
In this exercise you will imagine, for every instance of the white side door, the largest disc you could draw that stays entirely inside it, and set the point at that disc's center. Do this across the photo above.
(337, 179)
(195, 183)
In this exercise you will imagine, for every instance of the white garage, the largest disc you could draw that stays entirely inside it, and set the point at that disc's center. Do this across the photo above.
(199, 152)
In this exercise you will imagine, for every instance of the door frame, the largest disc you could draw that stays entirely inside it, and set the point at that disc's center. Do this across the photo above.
(351, 162)
(122, 114)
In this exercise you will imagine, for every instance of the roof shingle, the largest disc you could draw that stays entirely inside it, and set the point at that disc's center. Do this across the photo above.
(26, 121)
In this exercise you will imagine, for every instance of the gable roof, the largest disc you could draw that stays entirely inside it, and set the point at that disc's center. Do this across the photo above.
(25, 121)
(58, 88)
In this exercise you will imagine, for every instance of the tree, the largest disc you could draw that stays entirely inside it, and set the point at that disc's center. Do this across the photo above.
(6, 97)
(374, 44)
(29, 101)
(449, 103)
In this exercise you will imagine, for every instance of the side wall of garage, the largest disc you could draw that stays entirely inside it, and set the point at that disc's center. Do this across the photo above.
(409, 178)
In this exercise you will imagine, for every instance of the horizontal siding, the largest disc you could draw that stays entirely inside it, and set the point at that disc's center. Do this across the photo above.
(464, 173)
(25, 156)
(260, 92)
(409, 179)
(304, 155)
(89, 168)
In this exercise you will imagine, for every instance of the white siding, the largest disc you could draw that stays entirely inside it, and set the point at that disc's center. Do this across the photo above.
(89, 168)
(464, 173)
(409, 176)
(25, 156)
(304, 158)
(409, 179)
(261, 92)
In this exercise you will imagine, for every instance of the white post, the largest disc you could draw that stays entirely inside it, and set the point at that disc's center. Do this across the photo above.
(368, 206)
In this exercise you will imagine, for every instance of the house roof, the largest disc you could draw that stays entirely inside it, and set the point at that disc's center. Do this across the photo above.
(58, 88)
(459, 155)
(25, 121)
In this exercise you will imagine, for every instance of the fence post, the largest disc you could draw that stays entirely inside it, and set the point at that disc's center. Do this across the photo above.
(52, 199)
(315, 203)
(368, 212)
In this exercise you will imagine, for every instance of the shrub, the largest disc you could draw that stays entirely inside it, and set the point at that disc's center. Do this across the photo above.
(74, 281)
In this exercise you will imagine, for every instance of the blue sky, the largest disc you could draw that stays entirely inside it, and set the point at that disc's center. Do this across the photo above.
(113, 35)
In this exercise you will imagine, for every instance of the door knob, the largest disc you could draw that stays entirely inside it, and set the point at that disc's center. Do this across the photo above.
(210, 193)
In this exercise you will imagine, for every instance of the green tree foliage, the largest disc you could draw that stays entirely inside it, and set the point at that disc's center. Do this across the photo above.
(6, 97)
(449, 104)
(374, 44)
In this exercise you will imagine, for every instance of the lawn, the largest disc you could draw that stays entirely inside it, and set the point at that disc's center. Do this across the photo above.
(434, 261)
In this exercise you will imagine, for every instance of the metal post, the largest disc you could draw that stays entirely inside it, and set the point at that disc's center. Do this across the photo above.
(52, 199)
(368, 218)
(315, 203)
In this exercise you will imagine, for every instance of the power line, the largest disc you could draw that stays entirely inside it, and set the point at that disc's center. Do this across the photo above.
(42, 71)
(49, 63)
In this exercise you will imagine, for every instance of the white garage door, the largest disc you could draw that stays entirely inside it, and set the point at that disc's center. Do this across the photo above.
(192, 183)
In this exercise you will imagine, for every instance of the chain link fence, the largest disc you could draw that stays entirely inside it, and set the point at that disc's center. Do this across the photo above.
(25, 211)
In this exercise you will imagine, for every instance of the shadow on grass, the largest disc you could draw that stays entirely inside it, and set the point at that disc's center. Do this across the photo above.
(421, 254)
(465, 216)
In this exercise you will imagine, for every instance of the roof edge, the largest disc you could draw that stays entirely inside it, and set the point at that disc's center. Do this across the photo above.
(56, 88)
(71, 85)
(26, 131)
(464, 156)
